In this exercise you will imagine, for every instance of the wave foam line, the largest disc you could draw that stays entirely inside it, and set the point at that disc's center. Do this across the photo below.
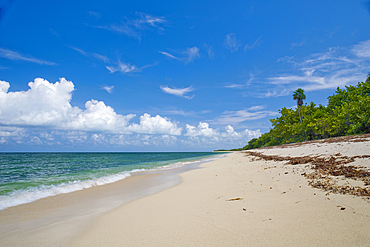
(35, 193)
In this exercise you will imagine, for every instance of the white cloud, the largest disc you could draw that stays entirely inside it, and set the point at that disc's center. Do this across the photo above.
(230, 132)
(362, 49)
(12, 55)
(155, 125)
(133, 27)
(48, 105)
(118, 66)
(203, 135)
(210, 51)
(169, 55)
(123, 67)
(231, 42)
(11, 131)
(43, 115)
(191, 54)
(101, 57)
(178, 91)
(236, 117)
(109, 89)
(337, 67)
(146, 19)
(202, 130)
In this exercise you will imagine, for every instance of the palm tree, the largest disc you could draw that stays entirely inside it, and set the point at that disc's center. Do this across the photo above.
(299, 96)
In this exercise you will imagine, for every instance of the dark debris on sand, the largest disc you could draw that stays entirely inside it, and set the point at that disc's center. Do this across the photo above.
(325, 169)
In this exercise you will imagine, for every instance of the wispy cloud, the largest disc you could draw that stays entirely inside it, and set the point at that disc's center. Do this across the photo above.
(210, 51)
(123, 67)
(15, 56)
(231, 42)
(235, 86)
(252, 113)
(178, 91)
(109, 89)
(91, 54)
(133, 27)
(190, 55)
(101, 57)
(362, 49)
(337, 67)
(113, 66)
(169, 55)
(80, 51)
(255, 44)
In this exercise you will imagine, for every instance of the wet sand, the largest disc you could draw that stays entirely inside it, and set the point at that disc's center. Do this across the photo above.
(239, 200)
(58, 220)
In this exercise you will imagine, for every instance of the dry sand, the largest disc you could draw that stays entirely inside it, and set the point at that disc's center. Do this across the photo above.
(236, 202)
(233, 201)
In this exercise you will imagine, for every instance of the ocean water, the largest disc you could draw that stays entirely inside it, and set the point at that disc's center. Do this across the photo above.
(26, 177)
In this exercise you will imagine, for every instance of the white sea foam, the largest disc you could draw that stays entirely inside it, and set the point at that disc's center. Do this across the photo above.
(35, 193)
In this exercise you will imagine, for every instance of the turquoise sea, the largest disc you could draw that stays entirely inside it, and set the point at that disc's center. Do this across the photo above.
(26, 177)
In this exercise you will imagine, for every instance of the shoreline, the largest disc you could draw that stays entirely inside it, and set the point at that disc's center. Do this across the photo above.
(241, 201)
(57, 220)
(26, 194)
(237, 200)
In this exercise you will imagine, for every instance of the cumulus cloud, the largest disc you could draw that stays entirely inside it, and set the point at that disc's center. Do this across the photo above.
(204, 135)
(203, 129)
(43, 116)
(155, 125)
(231, 42)
(48, 105)
(178, 91)
(15, 56)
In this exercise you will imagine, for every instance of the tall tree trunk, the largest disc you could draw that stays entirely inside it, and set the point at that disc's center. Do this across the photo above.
(299, 113)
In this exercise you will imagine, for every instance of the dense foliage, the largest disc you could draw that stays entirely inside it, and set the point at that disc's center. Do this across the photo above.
(347, 113)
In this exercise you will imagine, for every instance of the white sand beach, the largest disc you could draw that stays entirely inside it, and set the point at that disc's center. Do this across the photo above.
(239, 200)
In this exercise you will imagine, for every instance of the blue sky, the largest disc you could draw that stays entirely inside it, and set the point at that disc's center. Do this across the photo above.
(168, 75)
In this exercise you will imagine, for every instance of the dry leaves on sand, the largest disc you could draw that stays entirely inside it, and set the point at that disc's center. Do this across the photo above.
(327, 170)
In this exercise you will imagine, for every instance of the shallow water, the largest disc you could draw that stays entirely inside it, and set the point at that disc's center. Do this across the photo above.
(26, 177)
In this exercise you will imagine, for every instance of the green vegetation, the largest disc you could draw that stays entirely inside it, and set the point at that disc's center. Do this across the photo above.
(347, 113)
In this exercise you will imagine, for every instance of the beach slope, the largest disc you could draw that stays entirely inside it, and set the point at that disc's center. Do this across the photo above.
(249, 200)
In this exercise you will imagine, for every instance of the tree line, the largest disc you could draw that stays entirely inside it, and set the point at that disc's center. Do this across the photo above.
(347, 113)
